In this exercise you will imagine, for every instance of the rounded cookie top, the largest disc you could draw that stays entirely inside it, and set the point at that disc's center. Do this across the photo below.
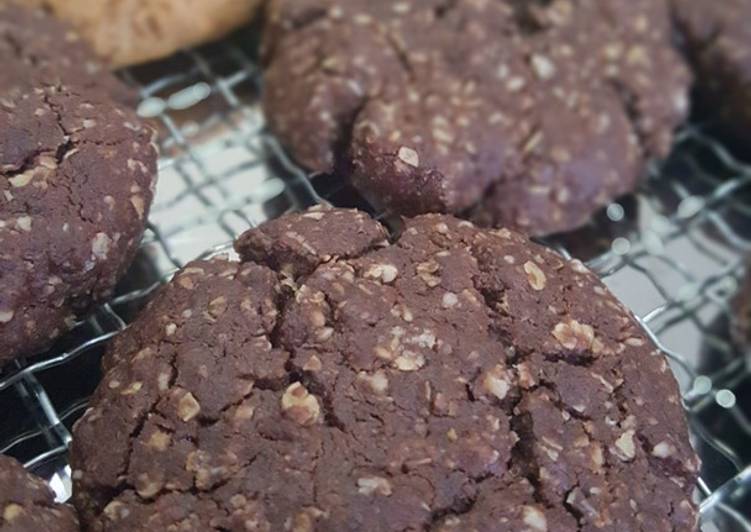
(530, 114)
(37, 48)
(76, 178)
(28, 505)
(453, 379)
(718, 41)
(127, 32)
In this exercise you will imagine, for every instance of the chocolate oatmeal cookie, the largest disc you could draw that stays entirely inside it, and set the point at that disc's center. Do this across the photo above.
(526, 114)
(718, 41)
(28, 505)
(76, 182)
(452, 379)
(37, 48)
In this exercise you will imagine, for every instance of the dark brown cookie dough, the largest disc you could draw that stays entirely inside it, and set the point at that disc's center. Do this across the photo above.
(37, 48)
(523, 114)
(718, 41)
(28, 505)
(76, 182)
(454, 379)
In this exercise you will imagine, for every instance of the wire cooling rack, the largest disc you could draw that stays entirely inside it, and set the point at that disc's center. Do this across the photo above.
(674, 252)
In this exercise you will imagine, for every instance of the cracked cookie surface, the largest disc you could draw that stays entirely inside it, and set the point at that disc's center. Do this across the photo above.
(451, 379)
(76, 182)
(526, 114)
(28, 505)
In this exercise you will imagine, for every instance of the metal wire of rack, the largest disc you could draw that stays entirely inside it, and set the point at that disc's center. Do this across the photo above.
(674, 252)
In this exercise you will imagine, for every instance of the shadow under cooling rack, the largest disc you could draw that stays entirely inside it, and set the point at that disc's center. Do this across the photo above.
(674, 252)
